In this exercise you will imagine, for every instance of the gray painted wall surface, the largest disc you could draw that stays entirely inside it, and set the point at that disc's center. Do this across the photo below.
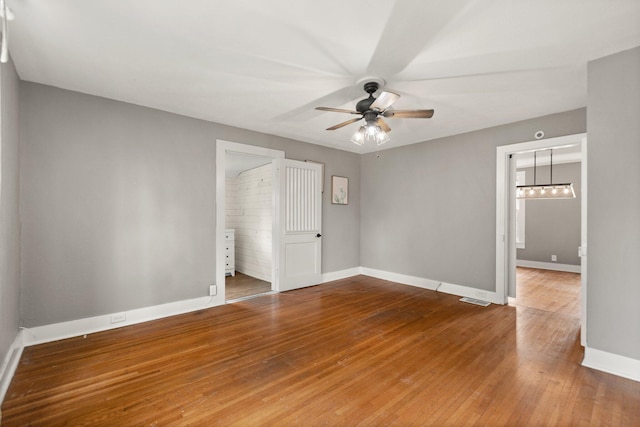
(118, 204)
(429, 209)
(552, 227)
(9, 209)
(613, 259)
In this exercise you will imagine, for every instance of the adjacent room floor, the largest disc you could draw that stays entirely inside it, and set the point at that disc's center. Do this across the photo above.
(555, 291)
(241, 286)
(354, 351)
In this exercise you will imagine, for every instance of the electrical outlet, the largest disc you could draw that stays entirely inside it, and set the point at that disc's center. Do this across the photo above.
(118, 317)
(213, 290)
(554, 258)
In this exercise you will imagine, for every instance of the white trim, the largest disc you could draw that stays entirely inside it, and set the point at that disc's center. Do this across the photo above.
(222, 147)
(79, 327)
(342, 274)
(611, 363)
(420, 282)
(89, 325)
(505, 244)
(583, 243)
(10, 364)
(548, 266)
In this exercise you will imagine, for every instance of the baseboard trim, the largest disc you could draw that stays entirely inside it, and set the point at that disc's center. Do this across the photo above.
(10, 364)
(342, 274)
(79, 327)
(569, 268)
(612, 363)
(89, 325)
(420, 282)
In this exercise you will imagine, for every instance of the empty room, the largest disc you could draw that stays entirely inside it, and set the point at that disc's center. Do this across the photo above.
(319, 213)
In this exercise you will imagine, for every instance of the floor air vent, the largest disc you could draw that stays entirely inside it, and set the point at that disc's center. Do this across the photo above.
(475, 301)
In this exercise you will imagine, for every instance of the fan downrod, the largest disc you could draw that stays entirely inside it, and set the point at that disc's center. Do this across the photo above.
(371, 87)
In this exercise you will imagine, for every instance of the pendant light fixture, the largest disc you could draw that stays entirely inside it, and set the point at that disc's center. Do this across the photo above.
(546, 191)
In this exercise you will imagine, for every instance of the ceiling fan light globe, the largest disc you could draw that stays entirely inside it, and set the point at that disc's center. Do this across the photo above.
(359, 137)
(375, 134)
(382, 137)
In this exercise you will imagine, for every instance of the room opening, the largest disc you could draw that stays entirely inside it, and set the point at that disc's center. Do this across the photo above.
(248, 225)
(548, 231)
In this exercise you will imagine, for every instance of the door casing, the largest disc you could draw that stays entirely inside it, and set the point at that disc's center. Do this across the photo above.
(505, 237)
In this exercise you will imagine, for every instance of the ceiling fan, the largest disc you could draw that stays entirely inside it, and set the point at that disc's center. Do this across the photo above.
(372, 110)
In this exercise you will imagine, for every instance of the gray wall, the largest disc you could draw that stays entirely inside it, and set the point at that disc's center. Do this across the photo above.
(118, 204)
(552, 227)
(9, 209)
(613, 266)
(429, 209)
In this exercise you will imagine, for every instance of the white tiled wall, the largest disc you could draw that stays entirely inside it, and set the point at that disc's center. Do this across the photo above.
(249, 212)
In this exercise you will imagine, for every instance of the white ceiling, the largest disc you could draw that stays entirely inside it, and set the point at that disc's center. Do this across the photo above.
(236, 163)
(265, 65)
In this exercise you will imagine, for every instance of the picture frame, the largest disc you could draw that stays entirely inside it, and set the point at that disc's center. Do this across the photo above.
(321, 173)
(339, 190)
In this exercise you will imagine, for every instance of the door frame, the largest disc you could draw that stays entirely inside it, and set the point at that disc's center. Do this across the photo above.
(222, 148)
(505, 239)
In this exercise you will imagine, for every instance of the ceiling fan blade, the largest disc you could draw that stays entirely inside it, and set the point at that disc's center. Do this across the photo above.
(337, 110)
(410, 28)
(348, 122)
(409, 114)
(384, 101)
(385, 127)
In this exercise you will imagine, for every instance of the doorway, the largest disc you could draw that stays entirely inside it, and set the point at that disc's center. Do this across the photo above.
(245, 224)
(506, 249)
(296, 230)
(547, 232)
(248, 225)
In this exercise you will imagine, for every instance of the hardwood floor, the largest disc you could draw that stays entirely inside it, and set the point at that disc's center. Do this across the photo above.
(241, 285)
(358, 351)
(555, 291)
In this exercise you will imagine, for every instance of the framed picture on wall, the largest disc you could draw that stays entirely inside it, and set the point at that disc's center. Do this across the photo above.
(339, 190)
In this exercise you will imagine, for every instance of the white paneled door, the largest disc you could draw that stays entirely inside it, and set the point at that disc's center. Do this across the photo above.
(299, 225)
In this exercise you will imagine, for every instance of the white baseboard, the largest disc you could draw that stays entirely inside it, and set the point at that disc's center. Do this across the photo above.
(89, 325)
(420, 282)
(10, 364)
(79, 327)
(548, 266)
(611, 363)
(342, 274)
(74, 328)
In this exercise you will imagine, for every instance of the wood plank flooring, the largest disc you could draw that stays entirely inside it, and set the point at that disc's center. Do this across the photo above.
(241, 285)
(358, 351)
(556, 291)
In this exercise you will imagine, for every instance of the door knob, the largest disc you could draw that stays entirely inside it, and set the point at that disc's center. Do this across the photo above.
(318, 235)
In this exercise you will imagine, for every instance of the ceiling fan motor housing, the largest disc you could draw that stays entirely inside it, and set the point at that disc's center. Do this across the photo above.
(365, 104)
